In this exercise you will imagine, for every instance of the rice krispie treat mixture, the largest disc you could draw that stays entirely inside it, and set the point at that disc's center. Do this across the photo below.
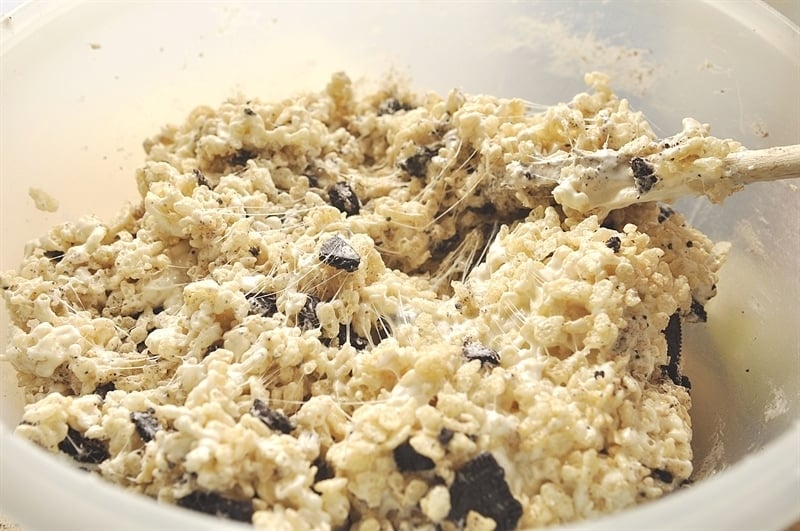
(369, 312)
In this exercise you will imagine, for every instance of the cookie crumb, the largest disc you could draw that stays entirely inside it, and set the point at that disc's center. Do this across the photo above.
(146, 423)
(408, 459)
(644, 177)
(83, 449)
(336, 252)
(275, 420)
(42, 200)
(472, 350)
(343, 197)
(480, 486)
(217, 505)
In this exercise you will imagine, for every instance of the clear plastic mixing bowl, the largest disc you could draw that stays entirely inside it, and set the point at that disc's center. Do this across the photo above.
(83, 83)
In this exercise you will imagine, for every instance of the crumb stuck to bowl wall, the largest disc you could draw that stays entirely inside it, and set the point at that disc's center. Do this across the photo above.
(42, 200)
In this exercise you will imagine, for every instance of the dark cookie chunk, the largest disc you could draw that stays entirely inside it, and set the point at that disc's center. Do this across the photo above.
(664, 213)
(265, 304)
(339, 254)
(241, 157)
(213, 347)
(480, 486)
(381, 330)
(392, 105)
(217, 505)
(324, 469)
(417, 164)
(662, 475)
(201, 179)
(644, 177)
(698, 312)
(146, 424)
(614, 243)
(275, 420)
(409, 460)
(472, 350)
(348, 335)
(672, 333)
(342, 196)
(307, 318)
(83, 449)
(445, 436)
(104, 388)
(55, 256)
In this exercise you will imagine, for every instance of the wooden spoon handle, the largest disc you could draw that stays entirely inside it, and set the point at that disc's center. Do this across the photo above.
(761, 165)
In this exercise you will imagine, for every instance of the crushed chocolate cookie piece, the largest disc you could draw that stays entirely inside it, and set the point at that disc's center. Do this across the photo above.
(307, 317)
(146, 424)
(348, 335)
(336, 252)
(358, 342)
(472, 350)
(218, 505)
(55, 256)
(381, 330)
(417, 164)
(275, 420)
(610, 223)
(445, 247)
(343, 197)
(614, 243)
(255, 251)
(664, 213)
(698, 312)
(445, 436)
(83, 449)
(409, 460)
(201, 179)
(216, 345)
(644, 177)
(249, 112)
(685, 382)
(265, 304)
(103, 389)
(599, 374)
(662, 475)
(672, 333)
(241, 157)
(480, 486)
(392, 105)
(324, 469)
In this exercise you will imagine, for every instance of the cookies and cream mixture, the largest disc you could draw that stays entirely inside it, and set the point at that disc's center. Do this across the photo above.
(368, 311)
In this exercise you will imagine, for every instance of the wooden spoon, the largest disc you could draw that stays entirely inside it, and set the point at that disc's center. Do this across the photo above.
(616, 181)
